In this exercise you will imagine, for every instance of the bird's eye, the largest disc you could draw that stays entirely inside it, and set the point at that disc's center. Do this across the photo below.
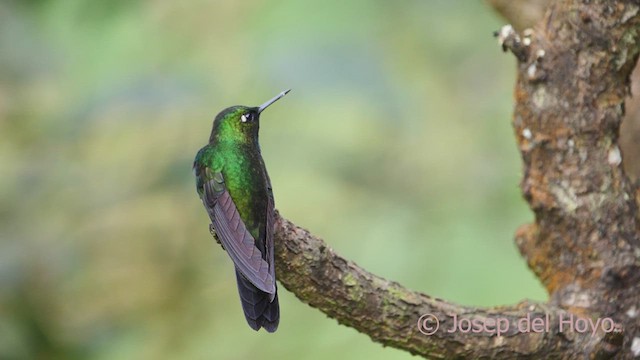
(244, 118)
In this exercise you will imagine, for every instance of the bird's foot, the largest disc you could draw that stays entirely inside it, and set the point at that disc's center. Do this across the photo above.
(212, 230)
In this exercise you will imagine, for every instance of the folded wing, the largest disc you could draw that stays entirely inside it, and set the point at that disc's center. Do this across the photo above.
(235, 237)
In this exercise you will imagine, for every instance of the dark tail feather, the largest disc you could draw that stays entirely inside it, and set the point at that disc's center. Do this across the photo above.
(258, 310)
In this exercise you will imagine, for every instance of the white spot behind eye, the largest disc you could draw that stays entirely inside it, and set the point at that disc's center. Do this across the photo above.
(244, 118)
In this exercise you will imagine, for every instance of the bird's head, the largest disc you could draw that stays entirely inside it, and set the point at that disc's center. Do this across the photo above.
(240, 123)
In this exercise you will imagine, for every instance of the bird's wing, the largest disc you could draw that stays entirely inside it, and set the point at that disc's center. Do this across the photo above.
(235, 237)
(269, 244)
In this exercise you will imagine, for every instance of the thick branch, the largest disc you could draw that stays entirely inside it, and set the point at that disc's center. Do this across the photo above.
(570, 98)
(389, 313)
(524, 14)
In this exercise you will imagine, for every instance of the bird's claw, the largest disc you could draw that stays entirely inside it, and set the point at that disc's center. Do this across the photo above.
(212, 230)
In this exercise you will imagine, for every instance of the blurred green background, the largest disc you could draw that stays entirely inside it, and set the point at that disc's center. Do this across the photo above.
(395, 146)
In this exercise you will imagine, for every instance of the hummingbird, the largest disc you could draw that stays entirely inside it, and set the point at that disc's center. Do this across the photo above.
(233, 184)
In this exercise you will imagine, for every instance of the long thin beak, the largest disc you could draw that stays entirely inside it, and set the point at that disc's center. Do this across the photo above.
(266, 105)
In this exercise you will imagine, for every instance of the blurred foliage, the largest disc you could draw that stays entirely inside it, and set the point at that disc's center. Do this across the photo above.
(395, 146)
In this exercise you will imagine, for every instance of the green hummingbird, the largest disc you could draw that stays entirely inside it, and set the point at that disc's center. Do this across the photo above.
(233, 184)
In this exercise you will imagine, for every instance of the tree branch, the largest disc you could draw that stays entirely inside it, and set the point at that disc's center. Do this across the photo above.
(389, 313)
(570, 103)
(584, 245)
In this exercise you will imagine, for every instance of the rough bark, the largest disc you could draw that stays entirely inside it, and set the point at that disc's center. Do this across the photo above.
(524, 14)
(570, 94)
(573, 77)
